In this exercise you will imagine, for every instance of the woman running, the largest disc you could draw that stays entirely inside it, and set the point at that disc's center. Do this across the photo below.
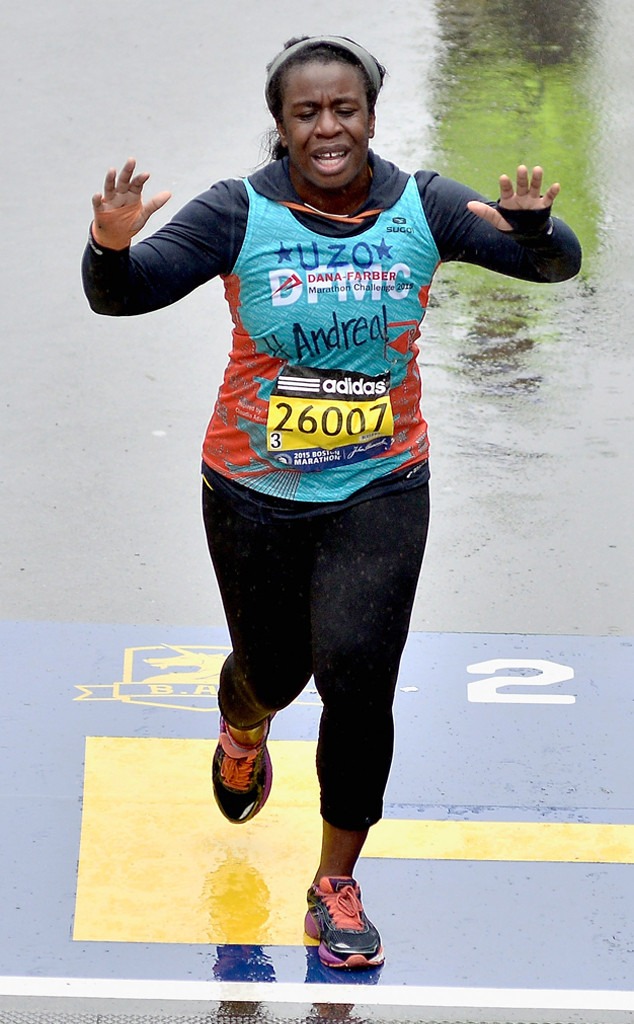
(315, 462)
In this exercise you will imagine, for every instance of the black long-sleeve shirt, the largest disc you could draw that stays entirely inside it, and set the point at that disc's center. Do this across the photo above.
(203, 240)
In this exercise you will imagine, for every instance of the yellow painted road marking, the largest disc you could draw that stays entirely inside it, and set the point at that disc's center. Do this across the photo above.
(503, 841)
(158, 862)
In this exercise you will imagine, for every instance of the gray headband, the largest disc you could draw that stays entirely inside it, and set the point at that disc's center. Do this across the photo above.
(365, 59)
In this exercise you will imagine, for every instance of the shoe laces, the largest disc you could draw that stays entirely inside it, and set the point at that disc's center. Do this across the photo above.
(344, 907)
(237, 768)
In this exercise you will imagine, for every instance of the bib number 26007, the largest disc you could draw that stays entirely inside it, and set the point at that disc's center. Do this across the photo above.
(295, 423)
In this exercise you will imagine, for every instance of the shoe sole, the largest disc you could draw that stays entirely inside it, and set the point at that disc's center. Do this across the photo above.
(356, 961)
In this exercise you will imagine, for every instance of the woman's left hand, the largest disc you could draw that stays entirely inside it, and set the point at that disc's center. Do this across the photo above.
(526, 195)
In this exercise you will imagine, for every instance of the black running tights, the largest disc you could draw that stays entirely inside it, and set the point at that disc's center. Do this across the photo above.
(329, 596)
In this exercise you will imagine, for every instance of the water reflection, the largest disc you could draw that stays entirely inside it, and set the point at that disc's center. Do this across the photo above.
(236, 899)
(548, 33)
(495, 334)
(513, 83)
(500, 356)
(338, 1012)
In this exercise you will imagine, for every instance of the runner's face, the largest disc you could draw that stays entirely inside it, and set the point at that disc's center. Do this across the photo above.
(326, 127)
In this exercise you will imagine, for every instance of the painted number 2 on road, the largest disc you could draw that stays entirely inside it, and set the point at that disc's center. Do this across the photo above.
(546, 673)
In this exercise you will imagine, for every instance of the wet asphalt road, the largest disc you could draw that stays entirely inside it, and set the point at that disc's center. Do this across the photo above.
(527, 389)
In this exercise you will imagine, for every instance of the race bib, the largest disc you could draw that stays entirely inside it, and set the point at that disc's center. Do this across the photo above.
(320, 418)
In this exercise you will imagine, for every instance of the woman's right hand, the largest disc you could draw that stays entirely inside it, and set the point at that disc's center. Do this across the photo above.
(119, 211)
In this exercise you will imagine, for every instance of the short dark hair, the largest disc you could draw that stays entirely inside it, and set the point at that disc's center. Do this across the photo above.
(322, 53)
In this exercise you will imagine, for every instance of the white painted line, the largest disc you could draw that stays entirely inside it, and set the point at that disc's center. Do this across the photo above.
(473, 999)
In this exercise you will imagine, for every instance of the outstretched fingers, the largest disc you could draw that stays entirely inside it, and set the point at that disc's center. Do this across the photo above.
(156, 202)
(128, 181)
(109, 185)
(125, 188)
(122, 180)
(523, 194)
(488, 213)
(119, 212)
(527, 191)
(551, 193)
(535, 185)
(122, 187)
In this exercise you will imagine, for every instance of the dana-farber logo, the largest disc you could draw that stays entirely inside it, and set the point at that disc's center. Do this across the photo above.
(374, 282)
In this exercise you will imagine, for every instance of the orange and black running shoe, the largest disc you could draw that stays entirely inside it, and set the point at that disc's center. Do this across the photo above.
(336, 917)
(241, 776)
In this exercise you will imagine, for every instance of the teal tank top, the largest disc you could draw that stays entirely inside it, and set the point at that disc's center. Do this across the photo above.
(322, 392)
